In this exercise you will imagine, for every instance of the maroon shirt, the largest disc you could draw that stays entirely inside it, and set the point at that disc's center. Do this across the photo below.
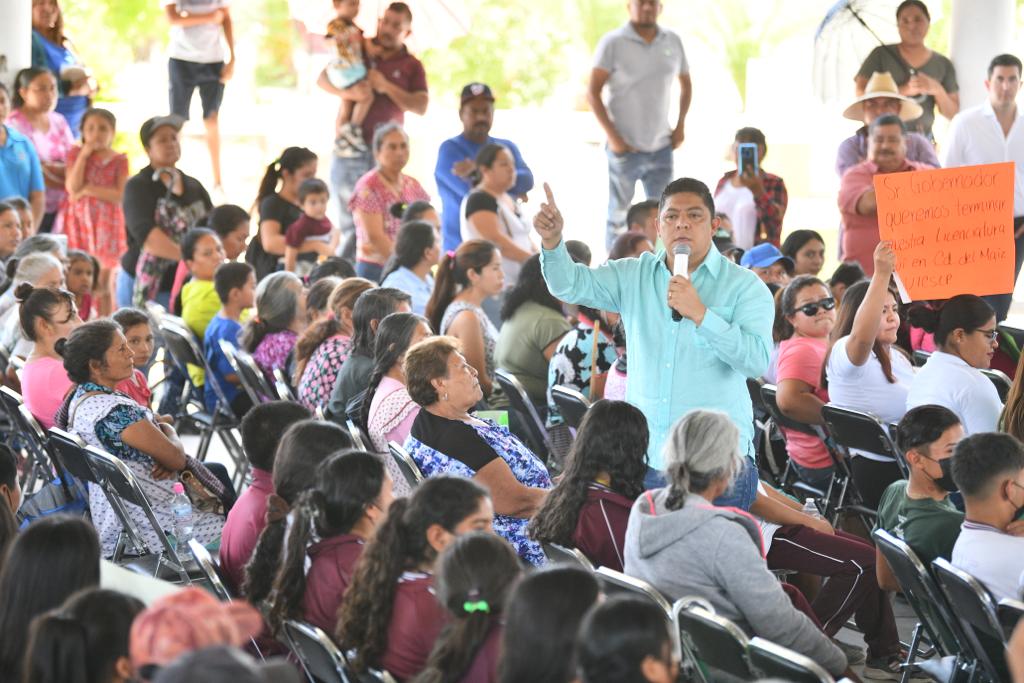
(484, 668)
(243, 527)
(332, 562)
(407, 73)
(416, 620)
(601, 529)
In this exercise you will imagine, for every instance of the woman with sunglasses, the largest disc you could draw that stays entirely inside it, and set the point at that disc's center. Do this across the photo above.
(966, 339)
(805, 315)
(866, 371)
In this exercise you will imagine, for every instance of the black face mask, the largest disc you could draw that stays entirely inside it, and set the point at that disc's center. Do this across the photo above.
(945, 482)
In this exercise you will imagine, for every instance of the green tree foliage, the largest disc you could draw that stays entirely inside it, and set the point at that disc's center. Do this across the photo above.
(520, 53)
(276, 35)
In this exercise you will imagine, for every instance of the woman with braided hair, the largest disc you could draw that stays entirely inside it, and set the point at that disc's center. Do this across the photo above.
(475, 575)
(678, 541)
(390, 615)
(330, 524)
(303, 447)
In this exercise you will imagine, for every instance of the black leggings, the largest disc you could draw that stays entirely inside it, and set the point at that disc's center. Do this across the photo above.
(872, 477)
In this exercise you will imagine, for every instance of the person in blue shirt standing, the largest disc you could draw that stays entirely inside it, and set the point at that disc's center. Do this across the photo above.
(455, 159)
(723, 334)
(21, 174)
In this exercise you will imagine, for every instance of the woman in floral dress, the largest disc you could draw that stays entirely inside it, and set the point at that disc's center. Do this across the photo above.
(446, 439)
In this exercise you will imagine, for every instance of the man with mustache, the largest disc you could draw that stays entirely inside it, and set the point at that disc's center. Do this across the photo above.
(887, 153)
(456, 159)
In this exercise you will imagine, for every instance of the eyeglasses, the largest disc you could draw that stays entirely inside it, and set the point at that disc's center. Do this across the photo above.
(992, 334)
(811, 309)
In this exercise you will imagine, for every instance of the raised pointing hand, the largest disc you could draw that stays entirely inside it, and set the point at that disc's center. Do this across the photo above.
(548, 222)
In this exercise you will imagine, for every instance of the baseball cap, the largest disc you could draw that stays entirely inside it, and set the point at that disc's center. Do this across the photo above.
(150, 126)
(187, 620)
(476, 90)
(223, 663)
(764, 255)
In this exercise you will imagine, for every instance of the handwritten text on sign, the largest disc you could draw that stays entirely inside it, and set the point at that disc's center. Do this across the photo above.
(951, 228)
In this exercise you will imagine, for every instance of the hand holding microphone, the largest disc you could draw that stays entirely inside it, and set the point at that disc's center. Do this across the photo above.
(680, 267)
(683, 298)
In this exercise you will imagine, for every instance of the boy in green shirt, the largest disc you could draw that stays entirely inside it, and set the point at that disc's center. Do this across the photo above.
(918, 510)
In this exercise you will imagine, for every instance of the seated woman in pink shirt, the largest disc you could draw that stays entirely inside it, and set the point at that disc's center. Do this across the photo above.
(351, 496)
(390, 615)
(46, 315)
(805, 315)
(388, 411)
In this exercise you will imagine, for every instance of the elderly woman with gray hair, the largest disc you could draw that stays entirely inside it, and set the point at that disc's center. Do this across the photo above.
(280, 317)
(39, 269)
(678, 541)
(373, 196)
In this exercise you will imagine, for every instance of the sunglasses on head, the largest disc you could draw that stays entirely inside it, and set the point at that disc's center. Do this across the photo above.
(811, 309)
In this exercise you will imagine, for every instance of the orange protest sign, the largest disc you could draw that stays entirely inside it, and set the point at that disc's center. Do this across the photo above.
(951, 228)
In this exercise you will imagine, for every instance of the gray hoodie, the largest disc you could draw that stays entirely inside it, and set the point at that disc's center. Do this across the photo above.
(715, 553)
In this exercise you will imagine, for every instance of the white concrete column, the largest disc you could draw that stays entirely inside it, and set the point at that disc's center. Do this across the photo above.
(15, 38)
(980, 30)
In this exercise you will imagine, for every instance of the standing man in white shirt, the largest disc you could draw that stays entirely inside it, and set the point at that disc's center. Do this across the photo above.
(991, 133)
(988, 469)
(638, 62)
(200, 32)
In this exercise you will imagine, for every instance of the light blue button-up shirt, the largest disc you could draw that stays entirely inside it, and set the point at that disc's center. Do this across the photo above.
(675, 367)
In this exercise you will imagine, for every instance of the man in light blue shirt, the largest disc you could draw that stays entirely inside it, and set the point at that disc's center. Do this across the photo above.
(723, 336)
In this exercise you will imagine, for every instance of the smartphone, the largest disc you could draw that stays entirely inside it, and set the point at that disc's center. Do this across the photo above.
(747, 153)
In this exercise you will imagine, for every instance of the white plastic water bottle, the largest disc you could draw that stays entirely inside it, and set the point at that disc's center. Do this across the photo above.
(811, 509)
(181, 507)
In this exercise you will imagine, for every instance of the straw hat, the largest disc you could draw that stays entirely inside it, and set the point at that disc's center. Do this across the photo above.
(882, 84)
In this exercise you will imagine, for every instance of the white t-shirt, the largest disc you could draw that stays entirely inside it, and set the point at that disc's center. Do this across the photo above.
(738, 204)
(865, 388)
(947, 380)
(515, 228)
(203, 44)
(992, 557)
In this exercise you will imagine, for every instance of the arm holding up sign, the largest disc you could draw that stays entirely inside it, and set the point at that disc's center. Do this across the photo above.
(877, 310)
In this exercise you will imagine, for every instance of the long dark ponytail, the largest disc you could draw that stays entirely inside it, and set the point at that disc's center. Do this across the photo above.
(453, 273)
(344, 296)
(394, 334)
(413, 239)
(477, 573)
(303, 447)
(399, 544)
(346, 484)
(291, 160)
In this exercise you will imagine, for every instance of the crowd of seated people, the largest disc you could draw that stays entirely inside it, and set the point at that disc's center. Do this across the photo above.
(396, 328)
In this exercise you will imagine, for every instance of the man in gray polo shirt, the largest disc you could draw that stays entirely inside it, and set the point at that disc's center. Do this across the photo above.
(638, 62)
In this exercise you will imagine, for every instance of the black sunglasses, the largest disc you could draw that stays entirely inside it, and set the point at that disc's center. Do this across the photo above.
(811, 309)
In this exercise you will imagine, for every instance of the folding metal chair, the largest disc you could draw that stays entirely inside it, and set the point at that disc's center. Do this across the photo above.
(976, 611)
(770, 660)
(357, 436)
(1010, 612)
(320, 658)
(712, 641)
(283, 387)
(855, 430)
(920, 357)
(410, 470)
(769, 396)
(210, 573)
(559, 554)
(936, 621)
(28, 437)
(254, 382)
(1000, 380)
(520, 403)
(617, 582)
(572, 404)
(184, 350)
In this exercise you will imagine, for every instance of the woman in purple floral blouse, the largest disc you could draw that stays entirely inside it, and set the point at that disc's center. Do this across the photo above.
(270, 335)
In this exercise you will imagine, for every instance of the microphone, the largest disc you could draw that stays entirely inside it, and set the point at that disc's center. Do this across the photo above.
(681, 266)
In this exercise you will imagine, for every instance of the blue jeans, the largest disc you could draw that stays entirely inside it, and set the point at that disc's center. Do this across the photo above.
(653, 169)
(125, 286)
(345, 172)
(370, 271)
(744, 488)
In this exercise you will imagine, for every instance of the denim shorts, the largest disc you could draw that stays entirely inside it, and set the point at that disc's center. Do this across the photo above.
(185, 77)
(744, 489)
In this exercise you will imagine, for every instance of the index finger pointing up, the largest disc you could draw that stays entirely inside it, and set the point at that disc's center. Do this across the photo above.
(550, 196)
